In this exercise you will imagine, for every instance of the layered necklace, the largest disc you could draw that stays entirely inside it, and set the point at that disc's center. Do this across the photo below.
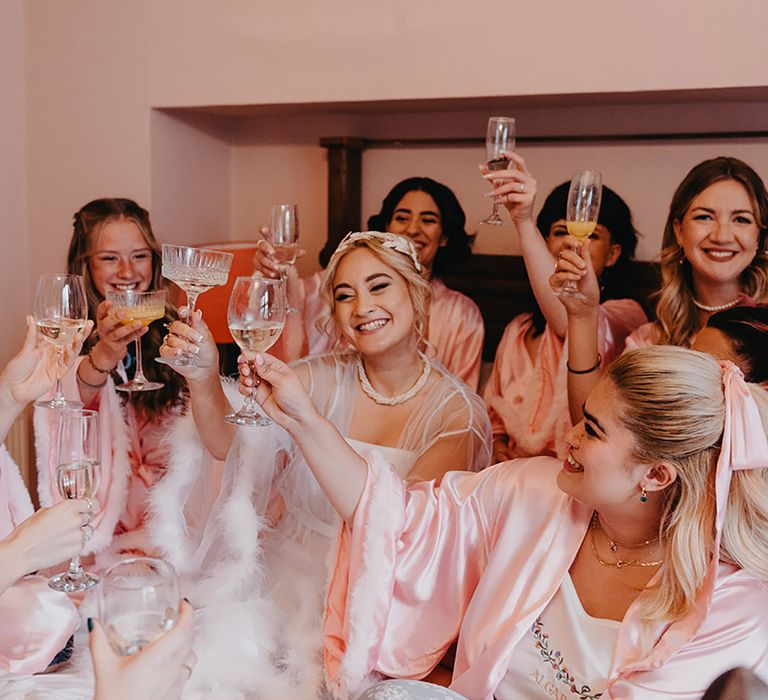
(614, 546)
(717, 307)
(399, 398)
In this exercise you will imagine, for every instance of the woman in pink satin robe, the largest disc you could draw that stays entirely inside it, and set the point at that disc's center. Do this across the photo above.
(114, 248)
(430, 215)
(35, 621)
(652, 534)
(714, 255)
(527, 391)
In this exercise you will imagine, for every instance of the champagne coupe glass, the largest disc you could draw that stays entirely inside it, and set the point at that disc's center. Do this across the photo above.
(284, 237)
(256, 316)
(61, 311)
(499, 140)
(138, 602)
(77, 476)
(195, 270)
(581, 217)
(145, 307)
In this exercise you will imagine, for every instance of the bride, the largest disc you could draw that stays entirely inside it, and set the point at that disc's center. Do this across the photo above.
(256, 561)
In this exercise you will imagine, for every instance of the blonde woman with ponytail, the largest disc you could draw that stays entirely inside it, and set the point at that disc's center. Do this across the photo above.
(635, 568)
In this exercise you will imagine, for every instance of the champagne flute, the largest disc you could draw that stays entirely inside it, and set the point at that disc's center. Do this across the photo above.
(195, 270)
(77, 476)
(581, 217)
(144, 307)
(499, 140)
(284, 238)
(61, 311)
(138, 602)
(256, 317)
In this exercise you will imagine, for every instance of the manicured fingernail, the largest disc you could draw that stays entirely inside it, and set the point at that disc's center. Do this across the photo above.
(194, 350)
(89, 622)
(197, 336)
(259, 359)
(187, 601)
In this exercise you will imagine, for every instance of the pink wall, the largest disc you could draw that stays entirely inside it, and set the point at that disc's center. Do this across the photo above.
(86, 75)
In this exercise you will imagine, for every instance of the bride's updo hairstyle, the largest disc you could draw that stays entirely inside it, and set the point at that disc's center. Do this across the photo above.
(396, 252)
(673, 402)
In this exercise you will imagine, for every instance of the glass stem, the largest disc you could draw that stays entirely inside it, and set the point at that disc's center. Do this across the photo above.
(74, 566)
(59, 396)
(495, 213)
(250, 406)
(139, 374)
(191, 301)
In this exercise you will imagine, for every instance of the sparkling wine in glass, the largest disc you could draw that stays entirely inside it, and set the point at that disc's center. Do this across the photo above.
(77, 476)
(144, 307)
(138, 602)
(61, 311)
(581, 217)
(284, 237)
(499, 140)
(256, 317)
(195, 270)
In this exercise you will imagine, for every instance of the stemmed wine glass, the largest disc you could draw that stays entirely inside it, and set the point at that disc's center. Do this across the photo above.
(581, 218)
(256, 317)
(195, 270)
(144, 307)
(138, 602)
(61, 311)
(284, 238)
(499, 140)
(77, 476)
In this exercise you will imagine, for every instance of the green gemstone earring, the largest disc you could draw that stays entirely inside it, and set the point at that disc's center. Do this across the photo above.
(643, 495)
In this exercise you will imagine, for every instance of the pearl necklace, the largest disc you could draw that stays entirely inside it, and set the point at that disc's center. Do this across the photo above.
(718, 307)
(399, 398)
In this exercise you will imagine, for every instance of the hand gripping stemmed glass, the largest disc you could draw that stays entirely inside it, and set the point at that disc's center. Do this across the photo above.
(138, 602)
(499, 140)
(77, 476)
(581, 217)
(256, 317)
(144, 307)
(195, 270)
(61, 311)
(284, 238)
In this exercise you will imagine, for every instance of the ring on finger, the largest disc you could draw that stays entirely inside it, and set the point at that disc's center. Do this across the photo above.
(522, 187)
(90, 504)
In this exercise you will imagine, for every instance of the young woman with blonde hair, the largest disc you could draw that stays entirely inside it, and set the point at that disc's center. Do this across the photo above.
(635, 568)
(258, 562)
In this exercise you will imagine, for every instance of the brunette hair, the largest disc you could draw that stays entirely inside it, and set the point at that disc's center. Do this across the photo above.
(88, 223)
(672, 401)
(616, 216)
(676, 314)
(453, 220)
(747, 330)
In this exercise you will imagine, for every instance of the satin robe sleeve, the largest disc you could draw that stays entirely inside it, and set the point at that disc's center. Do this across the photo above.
(35, 621)
(642, 337)
(620, 320)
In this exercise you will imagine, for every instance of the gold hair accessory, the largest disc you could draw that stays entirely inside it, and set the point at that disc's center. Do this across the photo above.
(389, 240)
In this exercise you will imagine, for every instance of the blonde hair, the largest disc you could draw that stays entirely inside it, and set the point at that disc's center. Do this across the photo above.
(400, 262)
(672, 401)
(677, 316)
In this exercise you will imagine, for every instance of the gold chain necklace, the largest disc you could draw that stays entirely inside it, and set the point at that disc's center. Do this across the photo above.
(619, 563)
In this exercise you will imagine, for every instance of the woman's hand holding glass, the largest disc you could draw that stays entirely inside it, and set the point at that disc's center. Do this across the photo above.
(115, 335)
(514, 187)
(575, 265)
(278, 390)
(191, 335)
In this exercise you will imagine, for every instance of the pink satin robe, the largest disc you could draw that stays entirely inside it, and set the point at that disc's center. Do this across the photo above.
(35, 621)
(133, 459)
(480, 557)
(456, 329)
(642, 337)
(528, 397)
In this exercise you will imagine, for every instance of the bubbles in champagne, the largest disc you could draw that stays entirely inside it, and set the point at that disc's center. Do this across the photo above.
(77, 479)
(256, 337)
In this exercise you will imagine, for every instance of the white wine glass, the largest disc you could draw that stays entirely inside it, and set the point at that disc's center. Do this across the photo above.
(284, 238)
(61, 311)
(499, 140)
(144, 307)
(77, 476)
(195, 270)
(138, 602)
(256, 317)
(581, 216)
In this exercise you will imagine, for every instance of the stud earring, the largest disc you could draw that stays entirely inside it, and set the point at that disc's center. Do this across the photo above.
(643, 495)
